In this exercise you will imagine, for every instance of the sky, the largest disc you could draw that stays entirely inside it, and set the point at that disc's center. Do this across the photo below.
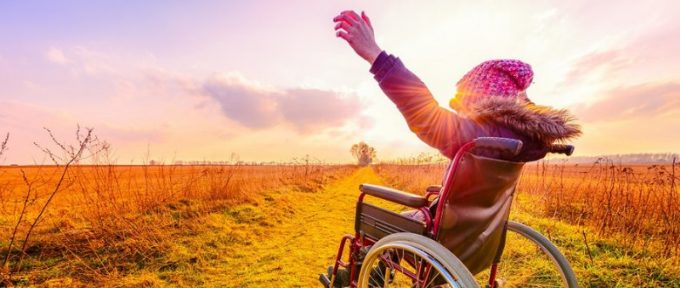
(269, 81)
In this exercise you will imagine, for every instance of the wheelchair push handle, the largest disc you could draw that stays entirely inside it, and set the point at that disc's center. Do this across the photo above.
(561, 149)
(505, 145)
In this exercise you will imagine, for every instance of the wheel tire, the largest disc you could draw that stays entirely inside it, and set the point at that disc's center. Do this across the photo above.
(436, 251)
(561, 263)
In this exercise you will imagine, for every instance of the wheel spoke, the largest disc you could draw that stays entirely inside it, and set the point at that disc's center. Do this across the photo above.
(393, 269)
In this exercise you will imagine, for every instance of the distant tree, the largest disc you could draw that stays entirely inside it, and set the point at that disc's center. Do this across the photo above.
(363, 153)
(235, 158)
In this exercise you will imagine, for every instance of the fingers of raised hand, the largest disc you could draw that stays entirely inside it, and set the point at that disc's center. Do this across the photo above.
(343, 35)
(346, 18)
(352, 14)
(342, 25)
(349, 23)
(366, 19)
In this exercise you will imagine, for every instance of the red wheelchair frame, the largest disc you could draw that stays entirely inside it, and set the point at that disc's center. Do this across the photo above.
(358, 242)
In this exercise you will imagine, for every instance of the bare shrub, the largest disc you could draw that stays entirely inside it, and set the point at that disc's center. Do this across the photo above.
(3, 144)
(66, 156)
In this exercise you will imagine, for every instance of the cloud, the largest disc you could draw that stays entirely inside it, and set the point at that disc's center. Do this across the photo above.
(660, 45)
(257, 107)
(244, 103)
(138, 104)
(130, 134)
(57, 56)
(31, 118)
(607, 62)
(309, 109)
(632, 102)
(643, 57)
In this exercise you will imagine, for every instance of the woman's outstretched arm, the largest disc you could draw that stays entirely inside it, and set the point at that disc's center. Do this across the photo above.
(436, 126)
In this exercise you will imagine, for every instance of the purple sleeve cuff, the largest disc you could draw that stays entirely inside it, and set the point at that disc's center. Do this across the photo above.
(382, 65)
(379, 61)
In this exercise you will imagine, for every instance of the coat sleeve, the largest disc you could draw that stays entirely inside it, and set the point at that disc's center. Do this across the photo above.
(436, 126)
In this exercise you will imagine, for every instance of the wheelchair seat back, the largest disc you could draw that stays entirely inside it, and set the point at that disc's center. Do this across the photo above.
(474, 215)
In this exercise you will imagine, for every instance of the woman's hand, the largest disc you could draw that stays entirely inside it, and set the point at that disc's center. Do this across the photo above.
(358, 32)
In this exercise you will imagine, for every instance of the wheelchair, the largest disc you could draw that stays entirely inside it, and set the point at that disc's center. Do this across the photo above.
(463, 230)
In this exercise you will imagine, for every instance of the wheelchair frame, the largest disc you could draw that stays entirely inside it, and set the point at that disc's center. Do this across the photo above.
(359, 241)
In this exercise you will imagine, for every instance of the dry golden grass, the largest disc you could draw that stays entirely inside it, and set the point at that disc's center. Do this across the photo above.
(258, 226)
(618, 224)
(634, 200)
(639, 201)
(109, 221)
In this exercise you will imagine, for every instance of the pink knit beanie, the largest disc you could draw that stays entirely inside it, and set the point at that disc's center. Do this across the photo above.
(504, 78)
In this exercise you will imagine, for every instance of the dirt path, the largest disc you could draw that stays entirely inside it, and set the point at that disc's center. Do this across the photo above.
(293, 237)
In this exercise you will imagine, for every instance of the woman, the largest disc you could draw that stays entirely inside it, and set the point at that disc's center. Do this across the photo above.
(491, 100)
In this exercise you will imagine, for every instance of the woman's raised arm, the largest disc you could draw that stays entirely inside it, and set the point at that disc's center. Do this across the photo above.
(435, 125)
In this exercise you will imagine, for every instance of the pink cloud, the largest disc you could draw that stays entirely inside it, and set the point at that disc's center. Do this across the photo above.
(649, 53)
(609, 62)
(307, 110)
(633, 102)
(662, 44)
(26, 123)
(56, 56)
(310, 109)
(243, 103)
(130, 134)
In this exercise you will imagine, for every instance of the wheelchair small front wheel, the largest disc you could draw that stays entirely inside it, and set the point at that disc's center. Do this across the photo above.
(411, 260)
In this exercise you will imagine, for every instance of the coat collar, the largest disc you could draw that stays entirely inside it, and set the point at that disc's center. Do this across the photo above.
(541, 123)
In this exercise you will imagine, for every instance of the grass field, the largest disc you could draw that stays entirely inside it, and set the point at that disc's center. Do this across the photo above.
(257, 226)
(619, 225)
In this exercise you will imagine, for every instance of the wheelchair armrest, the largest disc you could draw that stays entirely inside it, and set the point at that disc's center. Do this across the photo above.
(396, 196)
(434, 189)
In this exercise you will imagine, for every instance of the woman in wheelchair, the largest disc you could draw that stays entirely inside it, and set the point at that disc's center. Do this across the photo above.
(491, 101)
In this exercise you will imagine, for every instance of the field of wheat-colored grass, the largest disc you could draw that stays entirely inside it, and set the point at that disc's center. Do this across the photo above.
(279, 225)
(619, 224)
(110, 221)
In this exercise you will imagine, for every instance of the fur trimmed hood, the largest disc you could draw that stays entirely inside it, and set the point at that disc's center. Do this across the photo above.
(541, 123)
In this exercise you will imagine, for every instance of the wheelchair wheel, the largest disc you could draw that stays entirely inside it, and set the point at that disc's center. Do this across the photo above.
(531, 260)
(411, 260)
